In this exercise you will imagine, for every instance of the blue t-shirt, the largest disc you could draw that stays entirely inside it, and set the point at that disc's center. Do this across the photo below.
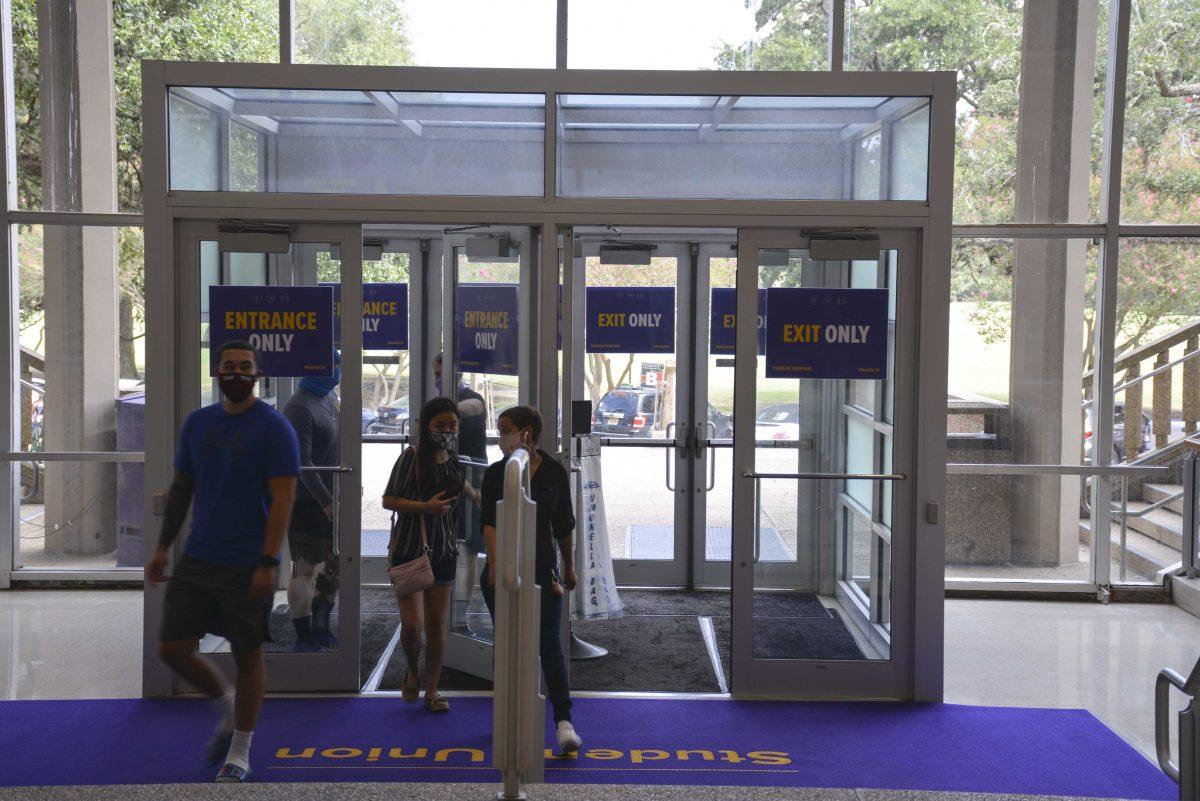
(230, 457)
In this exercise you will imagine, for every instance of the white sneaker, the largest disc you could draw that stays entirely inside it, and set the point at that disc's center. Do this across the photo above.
(568, 739)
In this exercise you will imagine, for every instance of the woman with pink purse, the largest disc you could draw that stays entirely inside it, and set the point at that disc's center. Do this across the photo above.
(424, 493)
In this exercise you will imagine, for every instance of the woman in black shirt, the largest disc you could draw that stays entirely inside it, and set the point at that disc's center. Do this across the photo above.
(426, 482)
(550, 487)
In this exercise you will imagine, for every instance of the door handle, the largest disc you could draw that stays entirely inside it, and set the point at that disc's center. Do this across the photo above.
(711, 455)
(667, 453)
(326, 469)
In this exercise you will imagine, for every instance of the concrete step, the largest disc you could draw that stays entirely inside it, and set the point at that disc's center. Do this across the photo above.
(1152, 493)
(1163, 524)
(1145, 556)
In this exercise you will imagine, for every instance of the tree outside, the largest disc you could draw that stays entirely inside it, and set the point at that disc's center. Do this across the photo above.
(176, 30)
(981, 41)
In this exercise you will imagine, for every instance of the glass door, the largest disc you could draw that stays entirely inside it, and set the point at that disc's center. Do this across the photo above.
(661, 393)
(635, 332)
(832, 375)
(295, 293)
(487, 366)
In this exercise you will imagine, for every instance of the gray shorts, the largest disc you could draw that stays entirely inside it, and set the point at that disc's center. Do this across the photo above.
(310, 533)
(207, 598)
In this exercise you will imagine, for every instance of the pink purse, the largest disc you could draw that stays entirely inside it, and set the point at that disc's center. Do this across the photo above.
(415, 574)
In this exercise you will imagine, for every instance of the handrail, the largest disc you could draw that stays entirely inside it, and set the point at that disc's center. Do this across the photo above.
(1184, 772)
(1140, 354)
(998, 469)
(1154, 507)
(828, 476)
(33, 387)
(1164, 368)
(510, 549)
(1191, 496)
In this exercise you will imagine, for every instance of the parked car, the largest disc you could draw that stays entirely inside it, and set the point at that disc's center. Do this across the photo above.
(1120, 454)
(391, 418)
(1119, 451)
(626, 412)
(722, 424)
(781, 421)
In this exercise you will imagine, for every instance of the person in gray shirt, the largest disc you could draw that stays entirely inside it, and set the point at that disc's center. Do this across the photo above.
(313, 411)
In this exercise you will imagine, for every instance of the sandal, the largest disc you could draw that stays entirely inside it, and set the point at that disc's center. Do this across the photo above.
(436, 703)
(410, 693)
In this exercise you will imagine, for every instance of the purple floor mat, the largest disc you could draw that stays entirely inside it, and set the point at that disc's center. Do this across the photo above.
(632, 741)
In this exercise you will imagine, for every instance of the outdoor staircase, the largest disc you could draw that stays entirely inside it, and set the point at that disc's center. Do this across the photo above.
(1153, 542)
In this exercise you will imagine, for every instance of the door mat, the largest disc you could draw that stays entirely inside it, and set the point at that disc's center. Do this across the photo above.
(900, 746)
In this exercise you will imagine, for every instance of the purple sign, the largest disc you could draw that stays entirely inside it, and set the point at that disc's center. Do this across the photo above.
(827, 333)
(723, 325)
(487, 328)
(292, 326)
(630, 319)
(385, 316)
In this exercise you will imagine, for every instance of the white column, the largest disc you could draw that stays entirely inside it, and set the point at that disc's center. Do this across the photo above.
(1058, 65)
(79, 174)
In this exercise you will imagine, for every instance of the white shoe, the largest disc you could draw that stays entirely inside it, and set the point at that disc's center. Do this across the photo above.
(568, 739)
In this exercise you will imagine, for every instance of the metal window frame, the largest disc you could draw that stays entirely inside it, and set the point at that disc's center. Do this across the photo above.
(1110, 228)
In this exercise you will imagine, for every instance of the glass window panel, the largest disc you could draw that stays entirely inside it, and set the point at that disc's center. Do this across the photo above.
(247, 160)
(986, 44)
(866, 167)
(885, 510)
(386, 378)
(402, 143)
(195, 146)
(81, 370)
(85, 515)
(666, 35)
(634, 395)
(1161, 176)
(231, 30)
(786, 36)
(860, 540)
(790, 148)
(1158, 324)
(910, 156)
(426, 33)
(1021, 329)
(860, 453)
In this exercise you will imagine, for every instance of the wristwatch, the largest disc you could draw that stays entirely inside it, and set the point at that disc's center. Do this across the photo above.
(266, 560)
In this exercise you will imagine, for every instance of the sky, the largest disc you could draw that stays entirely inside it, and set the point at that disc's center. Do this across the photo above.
(613, 34)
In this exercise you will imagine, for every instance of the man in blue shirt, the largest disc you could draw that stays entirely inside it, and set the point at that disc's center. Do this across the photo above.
(238, 459)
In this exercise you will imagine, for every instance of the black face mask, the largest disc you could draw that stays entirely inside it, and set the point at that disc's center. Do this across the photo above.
(236, 386)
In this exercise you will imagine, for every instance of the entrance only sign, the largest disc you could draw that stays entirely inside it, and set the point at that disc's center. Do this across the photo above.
(292, 326)
(631, 319)
(827, 333)
(487, 328)
(385, 316)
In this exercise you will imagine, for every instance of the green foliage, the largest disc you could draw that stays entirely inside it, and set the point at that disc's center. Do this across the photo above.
(981, 41)
(352, 32)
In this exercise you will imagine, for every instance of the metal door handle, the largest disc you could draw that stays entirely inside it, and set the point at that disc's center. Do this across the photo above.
(670, 429)
(757, 520)
(826, 476)
(316, 468)
(712, 458)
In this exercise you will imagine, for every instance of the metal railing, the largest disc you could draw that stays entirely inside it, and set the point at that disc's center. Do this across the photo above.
(1191, 518)
(1162, 372)
(519, 718)
(1185, 772)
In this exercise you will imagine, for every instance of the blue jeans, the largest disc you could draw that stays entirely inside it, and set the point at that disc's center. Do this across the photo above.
(554, 667)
